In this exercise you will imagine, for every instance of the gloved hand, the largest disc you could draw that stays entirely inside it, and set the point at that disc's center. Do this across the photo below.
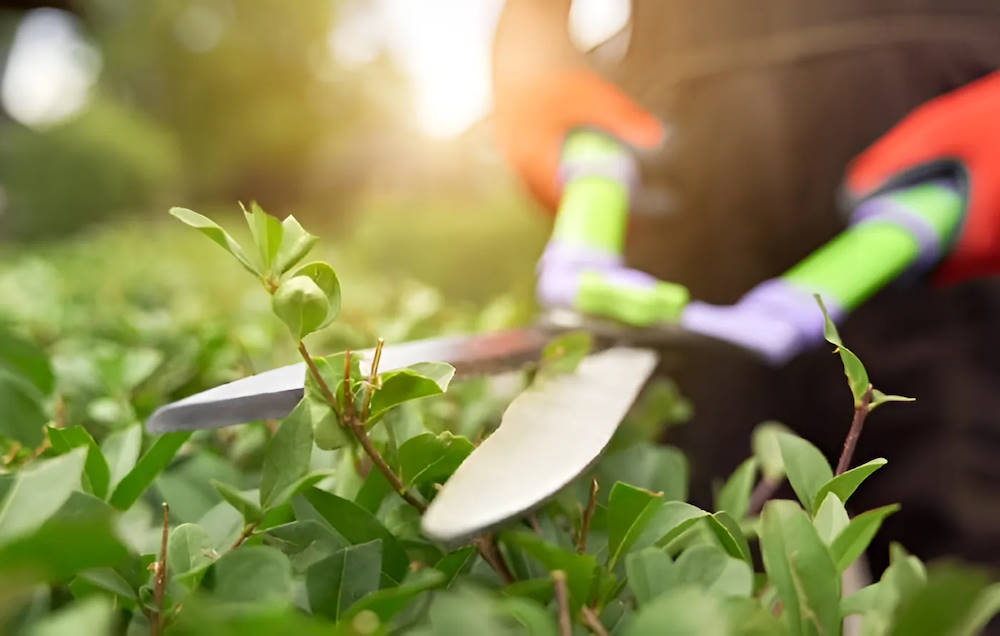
(955, 135)
(924, 197)
(535, 112)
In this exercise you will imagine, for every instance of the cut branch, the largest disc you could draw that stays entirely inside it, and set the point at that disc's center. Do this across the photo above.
(591, 620)
(588, 513)
(860, 413)
(562, 603)
(491, 554)
(160, 578)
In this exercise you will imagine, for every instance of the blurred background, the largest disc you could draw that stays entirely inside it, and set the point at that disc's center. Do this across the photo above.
(368, 120)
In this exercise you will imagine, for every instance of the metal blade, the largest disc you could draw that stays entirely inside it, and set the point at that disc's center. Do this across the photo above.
(273, 394)
(548, 436)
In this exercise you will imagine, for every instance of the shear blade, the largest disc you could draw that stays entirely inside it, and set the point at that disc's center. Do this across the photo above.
(273, 394)
(549, 435)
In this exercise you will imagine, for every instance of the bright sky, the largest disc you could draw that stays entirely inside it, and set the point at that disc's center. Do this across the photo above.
(442, 45)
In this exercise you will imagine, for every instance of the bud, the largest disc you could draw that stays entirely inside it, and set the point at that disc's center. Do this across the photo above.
(301, 305)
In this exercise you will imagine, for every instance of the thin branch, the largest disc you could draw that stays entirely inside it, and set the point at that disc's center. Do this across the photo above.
(160, 579)
(860, 413)
(762, 492)
(372, 379)
(491, 554)
(562, 603)
(15, 448)
(588, 513)
(533, 522)
(591, 620)
(324, 390)
(245, 534)
(350, 421)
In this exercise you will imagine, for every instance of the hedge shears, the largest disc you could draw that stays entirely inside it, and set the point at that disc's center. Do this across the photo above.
(556, 429)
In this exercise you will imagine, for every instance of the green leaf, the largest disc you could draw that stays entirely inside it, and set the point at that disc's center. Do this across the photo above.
(373, 491)
(109, 580)
(630, 510)
(61, 547)
(945, 605)
(857, 376)
(409, 383)
(301, 305)
(864, 600)
(563, 353)
(305, 542)
(22, 414)
(243, 502)
(37, 492)
(189, 553)
(388, 602)
(682, 611)
(429, 458)
(669, 522)
(806, 467)
(23, 359)
(295, 244)
(844, 484)
(252, 574)
(538, 589)
(651, 466)
(529, 615)
(579, 568)
(986, 607)
(714, 571)
(650, 573)
(831, 518)
(92, 616)
(852, 540)
(734, 496)
(266, 231)
(150, 465)
(767, 450)
(357, 525)
(121, 450)
(219, 236)
(731, 538)
(95, 468)
(286, 459)
(800, 568)
(456, 563)
(338, 581)
(881, 398)
(326, 279)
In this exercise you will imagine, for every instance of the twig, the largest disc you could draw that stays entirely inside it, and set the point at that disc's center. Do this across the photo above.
(372, 377)
(588, 513)
(592, 621)
(324, 390)
(160, 579)
(763, 491)
(491, 554)
(860, 413)
(15, 448)
(245, 534)
(533, 522)
(562, 602)
(350, 421)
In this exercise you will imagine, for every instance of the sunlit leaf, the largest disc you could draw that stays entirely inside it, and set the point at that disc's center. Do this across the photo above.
(831, 518)
(650, 573)
(266, 231)
(301, 305)
(219, 236)
(714, 571)
(295, 244)
(252, 574)
(95, 468)
(410, 383)
(326, 279)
